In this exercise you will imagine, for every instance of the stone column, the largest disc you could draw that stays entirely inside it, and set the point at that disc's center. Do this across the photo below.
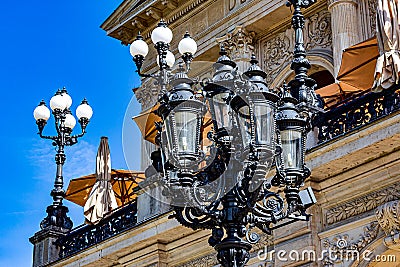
(345, 30)
(388, 216)
(240, 46)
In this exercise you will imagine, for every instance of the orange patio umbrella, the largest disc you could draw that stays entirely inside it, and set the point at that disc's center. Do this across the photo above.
(336, 92)
(124, 184)
(358, 64)
(356, 73)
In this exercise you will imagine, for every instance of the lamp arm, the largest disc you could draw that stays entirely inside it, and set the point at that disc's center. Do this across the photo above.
(83, 131)
(47, 136)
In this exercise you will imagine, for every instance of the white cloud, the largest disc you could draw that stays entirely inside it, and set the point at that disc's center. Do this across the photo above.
(80, 160)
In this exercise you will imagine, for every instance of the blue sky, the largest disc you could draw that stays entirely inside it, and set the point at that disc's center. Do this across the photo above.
(46, 45)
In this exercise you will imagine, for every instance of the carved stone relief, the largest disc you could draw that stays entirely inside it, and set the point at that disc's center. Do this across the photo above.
(319, 33)
(205, 261)
(362, 204)
(343, 249)
(239, 43)
(388, 216)
(277, 53)
(240, 46)
(278, 49)
(147, 94)
(372, 5)
(265, 241)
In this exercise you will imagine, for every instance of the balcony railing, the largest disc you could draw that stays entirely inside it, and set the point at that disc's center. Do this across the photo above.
(86, 236)
(356, 113)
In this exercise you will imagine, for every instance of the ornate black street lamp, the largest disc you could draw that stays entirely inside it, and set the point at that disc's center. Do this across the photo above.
(65, 122)
(254, 128)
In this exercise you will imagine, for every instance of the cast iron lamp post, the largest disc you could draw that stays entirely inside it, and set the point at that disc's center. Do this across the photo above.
(253, 128)
(65, 122)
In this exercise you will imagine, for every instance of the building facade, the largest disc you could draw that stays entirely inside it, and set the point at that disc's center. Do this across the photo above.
(353, 152)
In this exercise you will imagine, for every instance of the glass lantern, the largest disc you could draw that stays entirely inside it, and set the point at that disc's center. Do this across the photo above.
(219, 92)
(182, 114)
(255, 108)
(291, 139)
(183, 133)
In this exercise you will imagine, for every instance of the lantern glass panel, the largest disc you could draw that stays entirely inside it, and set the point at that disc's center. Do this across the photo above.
(186, 126)
(291, 148)
(222, 110)
(245, 125)
(170, 128)
(264, 120)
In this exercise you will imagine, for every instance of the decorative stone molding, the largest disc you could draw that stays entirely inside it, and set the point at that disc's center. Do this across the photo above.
(125, 35)
(265, 241)
(277, 54)
(319, 31)
(239, 44)
(362, 204)
(147, 94)
(372, 5)
(205, 261)
(388, 216)
(341, 246)
(278, 49)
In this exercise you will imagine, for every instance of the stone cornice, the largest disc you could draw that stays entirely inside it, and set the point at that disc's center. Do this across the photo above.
(123, 16)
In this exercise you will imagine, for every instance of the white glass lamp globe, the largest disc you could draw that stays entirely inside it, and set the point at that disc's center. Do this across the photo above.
(41, 112)
(58, 102)
(69, 121)
(67, 99)
(161, 34)
(84, 111)
(187, 45)
(169, 58)
(139, 47)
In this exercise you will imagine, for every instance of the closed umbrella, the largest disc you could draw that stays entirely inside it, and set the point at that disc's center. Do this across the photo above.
(101, 199)
(388, 34)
